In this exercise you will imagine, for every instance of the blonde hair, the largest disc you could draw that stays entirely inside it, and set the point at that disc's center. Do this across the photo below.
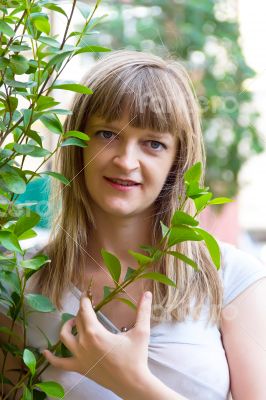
(158, 95)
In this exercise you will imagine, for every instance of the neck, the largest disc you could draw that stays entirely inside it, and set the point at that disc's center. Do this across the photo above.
(117, 235)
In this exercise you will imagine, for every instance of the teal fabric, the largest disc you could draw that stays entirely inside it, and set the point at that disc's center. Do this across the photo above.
(38, 192)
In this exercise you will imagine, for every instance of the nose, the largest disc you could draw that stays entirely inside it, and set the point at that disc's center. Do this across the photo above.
(127, 157)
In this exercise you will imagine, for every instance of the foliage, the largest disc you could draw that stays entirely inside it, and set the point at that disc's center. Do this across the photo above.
(31, 61)
(204, 36)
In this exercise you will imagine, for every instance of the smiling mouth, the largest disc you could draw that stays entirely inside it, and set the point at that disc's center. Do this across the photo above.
(122, 182)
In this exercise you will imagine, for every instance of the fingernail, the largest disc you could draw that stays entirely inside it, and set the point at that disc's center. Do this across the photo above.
(148, 295)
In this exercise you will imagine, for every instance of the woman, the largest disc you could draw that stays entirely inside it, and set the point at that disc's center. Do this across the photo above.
(207, 336)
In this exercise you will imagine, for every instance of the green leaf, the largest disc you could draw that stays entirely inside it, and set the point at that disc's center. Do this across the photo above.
(182, 234)
(182, 218)
(18, 84)
(34, 135)
(24, 149)
(6, 29)
(12, 180)
(77, 134)
(27, 394)
(49, 41)
(11, 279)
(18, 48)
(19, 64)
(74, 142)
(92, 49)
(39, 152)
(52, 389)
(212, 246)
(141, 258)
(55, 8)
(164, 229)
(10, 241)
(12, 103)
(35, 263)
(26, 222)
(129, 273)
(58, 59)
(113, 265)
(126, 301)
(156, 276)
(220, 200)
(194, 190)
(39, 302)
(74, 87)
(58, 176)
(66, 317)
(52, 123)
(45, 102)
(41, 23)
(193, 173)
(106, 291)
(27, 235)
(38, 395)
(30, 360)
(84, 9)
(201, 201)
(183, 258)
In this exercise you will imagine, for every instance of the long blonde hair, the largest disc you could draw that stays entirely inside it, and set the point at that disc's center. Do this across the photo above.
(158, 95)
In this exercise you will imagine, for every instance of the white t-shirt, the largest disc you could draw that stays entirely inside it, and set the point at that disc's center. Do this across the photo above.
(187, 356)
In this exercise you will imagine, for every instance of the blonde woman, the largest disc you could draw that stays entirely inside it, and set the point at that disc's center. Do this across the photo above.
(206, 338)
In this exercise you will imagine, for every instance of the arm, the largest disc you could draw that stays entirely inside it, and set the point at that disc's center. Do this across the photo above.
(243, 330)
(148, 388)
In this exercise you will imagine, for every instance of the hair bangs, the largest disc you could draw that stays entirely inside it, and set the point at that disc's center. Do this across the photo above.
(146, 94)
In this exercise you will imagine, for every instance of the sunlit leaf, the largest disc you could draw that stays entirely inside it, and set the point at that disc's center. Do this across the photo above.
(182, 218)
(156, 276)
(181, 234)
(212, 246)
(30, 360)
(193, 173)
(52, 389)
(77, 134)
(92, 49)
(74, 87)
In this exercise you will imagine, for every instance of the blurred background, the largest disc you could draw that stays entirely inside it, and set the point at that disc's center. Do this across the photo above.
(221, 44)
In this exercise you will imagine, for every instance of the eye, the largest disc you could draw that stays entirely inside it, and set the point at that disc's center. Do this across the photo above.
(105, 134)
(155, 145)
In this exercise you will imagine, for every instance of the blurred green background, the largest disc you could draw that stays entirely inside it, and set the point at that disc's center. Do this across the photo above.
(204, 36)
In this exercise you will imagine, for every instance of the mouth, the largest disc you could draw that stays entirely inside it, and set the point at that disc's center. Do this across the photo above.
(122, 182)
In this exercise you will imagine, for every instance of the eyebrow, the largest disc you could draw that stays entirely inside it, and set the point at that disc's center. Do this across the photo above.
(111, 126)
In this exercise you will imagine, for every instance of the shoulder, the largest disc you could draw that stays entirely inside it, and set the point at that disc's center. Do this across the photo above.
(239, 270)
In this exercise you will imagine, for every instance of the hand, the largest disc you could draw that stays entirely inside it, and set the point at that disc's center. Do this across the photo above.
(116, 361)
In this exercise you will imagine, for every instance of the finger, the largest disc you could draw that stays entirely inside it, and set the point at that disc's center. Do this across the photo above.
(86, 316)
(144, 313)
(68, 364)
(67, 337)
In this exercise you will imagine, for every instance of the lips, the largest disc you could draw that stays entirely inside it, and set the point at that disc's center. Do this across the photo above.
(123, 182)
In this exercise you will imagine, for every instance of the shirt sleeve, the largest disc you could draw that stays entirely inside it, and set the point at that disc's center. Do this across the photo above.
(239, 270)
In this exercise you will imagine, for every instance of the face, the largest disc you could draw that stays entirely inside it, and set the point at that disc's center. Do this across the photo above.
(126, 167)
